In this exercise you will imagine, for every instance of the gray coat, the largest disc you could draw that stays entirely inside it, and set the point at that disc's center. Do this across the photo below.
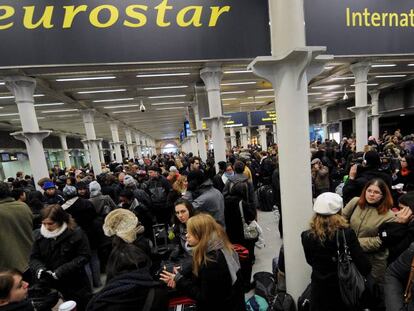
(396, 280)
(209, 200)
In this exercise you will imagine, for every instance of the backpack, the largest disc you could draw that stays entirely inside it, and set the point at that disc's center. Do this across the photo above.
(265, 197)
(283, 302)
(257, 303)
(265, 285)
(158, 194)
(304, 302)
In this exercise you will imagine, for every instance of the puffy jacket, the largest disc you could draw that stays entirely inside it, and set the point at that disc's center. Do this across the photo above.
(103, 204)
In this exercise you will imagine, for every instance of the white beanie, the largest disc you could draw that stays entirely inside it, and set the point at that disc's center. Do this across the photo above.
(94, 188)
(129, 181)
(328, 203)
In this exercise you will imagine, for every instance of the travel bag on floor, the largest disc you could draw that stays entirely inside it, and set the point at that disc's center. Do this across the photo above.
(182, 304)
(265, 197)
(304, 301)
(283, 302)
(265, 285)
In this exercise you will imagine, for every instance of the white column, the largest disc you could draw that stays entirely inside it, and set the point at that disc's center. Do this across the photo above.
(101, 151)
(244, 137)
(233, 142)
(201, 134)
(116, 143)
(360, 71)
(66, 151)
(93, 143)
(274, 126)
(262, 137)
(138, 144)
(130, 145)
(23, 89)
(374, 113)
(212, 78)
(324, 124)
(111, 152)
(287, 71)
(193, 144)
(86, 151)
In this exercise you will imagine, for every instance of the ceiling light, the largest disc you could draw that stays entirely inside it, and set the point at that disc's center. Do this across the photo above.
(266, 90)
(326, 99)
(328, 67)
(124, 111)
(269, 96)
(343, 78)
(166, 87)
(49, 104)
(410, 65)
(229, 98)
(345, 95)
(101, 91)
(238, 71)
(402, 115)
(226, 104)
(152, 75)
(166, 96)
(233, 92)
(169, 108)
(56, 111)
(2, 83)
(326, 86)
(314, 93)
(112, 100)
(39, 118)
(238, 83)
(341, 92)
(390, 76)
(169, 103)
(85, 79)
(383, 65)
(6, 97)
(1, 107)
(369, 84)
(9, 114)
(38, 95)
(249, 103)
(120, 106)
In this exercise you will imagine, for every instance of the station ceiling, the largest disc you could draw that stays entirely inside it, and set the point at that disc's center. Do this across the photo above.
(115, 92)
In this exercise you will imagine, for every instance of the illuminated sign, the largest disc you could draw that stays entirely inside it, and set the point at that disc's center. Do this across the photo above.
(262, 118)
(237, 119)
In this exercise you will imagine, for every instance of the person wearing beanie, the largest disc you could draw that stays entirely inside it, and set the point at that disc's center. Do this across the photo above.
(50, 196)
(217, 179)
(83, 189)
(103, 203)
(320, 247)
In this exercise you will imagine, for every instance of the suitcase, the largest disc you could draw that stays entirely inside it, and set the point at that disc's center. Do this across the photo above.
(182, 304)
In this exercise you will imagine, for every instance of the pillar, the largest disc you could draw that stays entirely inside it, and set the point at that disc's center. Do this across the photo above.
(360, 71)
(66, 151)
(23, 89)
(101, 151)
(374, 113)
(93, 143)
(115, 141)
(262, 137)
(233, 142)
(274, 126)
(138, 144)
(86, 151)
(244, 138)
(193, 144)
(212, 77)
(130, 145)
(201, 134)
(324, 124)
(288, 72)
(111, 152)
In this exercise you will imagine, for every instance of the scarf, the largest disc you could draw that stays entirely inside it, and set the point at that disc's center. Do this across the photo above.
(232, 259)
(53, 234)
(405, 172)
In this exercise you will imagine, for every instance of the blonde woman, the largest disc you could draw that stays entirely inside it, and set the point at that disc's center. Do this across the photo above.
(215, 281)
(320, 246)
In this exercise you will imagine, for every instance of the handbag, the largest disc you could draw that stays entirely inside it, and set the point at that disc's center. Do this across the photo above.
(250, 231)
(351, 281)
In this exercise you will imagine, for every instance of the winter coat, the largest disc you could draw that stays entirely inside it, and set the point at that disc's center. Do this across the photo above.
(366, 224)
(181, 249)
(67, 256)
(128, 292)
(396, 280)
(103, 204)
(407, 180)
(213, 289)
(218, 182)
(25, 305)
(236, 181)
(396, 237)
(320, 178)
(322, 257)
(16, 237)
(55, 199)
(208, 199)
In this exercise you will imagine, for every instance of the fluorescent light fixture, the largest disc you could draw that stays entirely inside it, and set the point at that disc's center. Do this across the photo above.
(238, 83)
(233, 92)
(49, 104)
(229, 98)
(326, 99)
(343, 78)
(39, 118)
(101, 91)
(9, 114)
(266, 90)
(369, 84)
(112, 100)
(166, 96)
(264, 96)
(38, 95)
(170, 103)
(341, 92)
(390, 76)
(121, 106)
(125, 111)
(314, 93)
(6, 97)
(152, 75)
(169, 108)
(328, 67)
(410, 65)
(326, 86)
(250, 103)
(226, 104)
(2, 83)
(166, 87)
(58, 111)
(85, 79)
(1, 107)
(238, 71)
(234, 125)
(383, 65)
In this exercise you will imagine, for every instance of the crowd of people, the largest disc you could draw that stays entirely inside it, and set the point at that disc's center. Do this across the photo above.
(82, 226)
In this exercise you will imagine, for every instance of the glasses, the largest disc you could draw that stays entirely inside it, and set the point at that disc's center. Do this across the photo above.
(376, 192)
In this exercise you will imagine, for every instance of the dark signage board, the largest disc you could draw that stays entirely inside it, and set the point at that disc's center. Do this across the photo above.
(262, 118)
(237, 119)
(65, 32)
(361, 27)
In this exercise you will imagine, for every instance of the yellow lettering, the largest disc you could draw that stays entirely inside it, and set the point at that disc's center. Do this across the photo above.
(161, 8)
(384, 18)
(113, 16)
(46, 18)
(70, 12)
(356, 15)
(8, 12)
(140, 17)
(404, 20)
(216, 11)
(375, 19)
(348, 19)
(195, 19)
(393, 16)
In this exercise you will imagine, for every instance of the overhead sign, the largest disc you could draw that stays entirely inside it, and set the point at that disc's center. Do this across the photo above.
(360, 27)
(237, 119)
(65, 32)
(262, 118)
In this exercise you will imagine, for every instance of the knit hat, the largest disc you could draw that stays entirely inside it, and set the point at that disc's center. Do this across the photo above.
(328, 203)
(124, 224)
(407, 199)
(316, 160)
(48, 185)
(81, 185)
(94, 188)
(129, 181)
(70, 191)
(173, 169)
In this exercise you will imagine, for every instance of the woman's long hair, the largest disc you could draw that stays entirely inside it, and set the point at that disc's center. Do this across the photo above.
(188, 206)
(206, 230)
(324, 227)
(57, 214)
(386, 201)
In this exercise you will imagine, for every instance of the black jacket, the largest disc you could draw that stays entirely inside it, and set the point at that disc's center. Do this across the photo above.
(25, 305)
(55, 199)
(128, 292)
(396, 237)
(323, 260)
(212, 289)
